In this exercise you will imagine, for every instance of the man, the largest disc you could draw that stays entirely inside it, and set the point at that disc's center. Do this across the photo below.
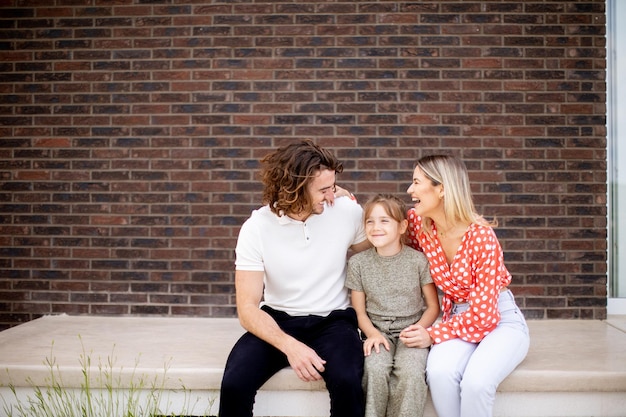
(289, 279)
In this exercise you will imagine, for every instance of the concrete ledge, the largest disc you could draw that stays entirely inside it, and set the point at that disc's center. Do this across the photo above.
(568, 362)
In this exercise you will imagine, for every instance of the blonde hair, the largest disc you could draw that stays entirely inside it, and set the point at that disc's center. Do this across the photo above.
(458, 204)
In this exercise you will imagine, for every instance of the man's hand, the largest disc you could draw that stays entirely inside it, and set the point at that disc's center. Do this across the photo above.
(249, 289)
(304, 361)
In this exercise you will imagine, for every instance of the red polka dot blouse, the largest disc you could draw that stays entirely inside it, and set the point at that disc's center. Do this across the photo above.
(476, 275)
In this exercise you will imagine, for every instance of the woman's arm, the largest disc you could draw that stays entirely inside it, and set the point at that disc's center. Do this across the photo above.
(489, 276)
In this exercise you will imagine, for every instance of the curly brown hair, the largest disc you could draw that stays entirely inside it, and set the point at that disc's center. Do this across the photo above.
(287, 171)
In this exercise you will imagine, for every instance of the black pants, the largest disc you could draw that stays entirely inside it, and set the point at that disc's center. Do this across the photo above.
(335, 339)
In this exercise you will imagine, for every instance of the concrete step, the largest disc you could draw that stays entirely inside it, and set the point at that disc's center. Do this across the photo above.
(574, 368)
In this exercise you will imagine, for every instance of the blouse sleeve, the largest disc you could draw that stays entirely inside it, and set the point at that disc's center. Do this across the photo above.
(412, 230)
(485, 263)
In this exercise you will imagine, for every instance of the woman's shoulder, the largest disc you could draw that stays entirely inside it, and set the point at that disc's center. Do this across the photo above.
(480, 229)
(414, 218)
(482, 233)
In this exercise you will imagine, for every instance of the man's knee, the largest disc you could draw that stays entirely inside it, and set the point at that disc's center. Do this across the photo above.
(235, 398)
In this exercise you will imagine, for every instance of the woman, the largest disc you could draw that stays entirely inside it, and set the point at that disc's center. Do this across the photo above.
(483, 335)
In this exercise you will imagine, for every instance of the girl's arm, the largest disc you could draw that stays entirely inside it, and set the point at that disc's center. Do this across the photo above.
(374, 337)
(416, 335)
(429, 292)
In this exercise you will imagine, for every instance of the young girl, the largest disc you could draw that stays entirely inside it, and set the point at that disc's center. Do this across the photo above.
(483, 335)
(390, 285)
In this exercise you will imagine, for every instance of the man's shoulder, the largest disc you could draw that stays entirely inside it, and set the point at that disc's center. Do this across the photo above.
(259, 216)
(345, 205)
(261, 212)
(346, 202)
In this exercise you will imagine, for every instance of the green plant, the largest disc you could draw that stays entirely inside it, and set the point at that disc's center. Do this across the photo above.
(100, 395)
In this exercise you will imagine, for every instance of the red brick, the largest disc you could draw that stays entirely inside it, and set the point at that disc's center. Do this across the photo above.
(130, 152)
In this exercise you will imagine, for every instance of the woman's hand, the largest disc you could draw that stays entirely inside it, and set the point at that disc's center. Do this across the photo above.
(342, 192)
(415, 336)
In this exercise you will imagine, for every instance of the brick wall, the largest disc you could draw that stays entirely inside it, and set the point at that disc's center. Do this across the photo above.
(131, 132)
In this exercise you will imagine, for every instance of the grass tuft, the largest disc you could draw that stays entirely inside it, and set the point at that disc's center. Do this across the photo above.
(100, 394)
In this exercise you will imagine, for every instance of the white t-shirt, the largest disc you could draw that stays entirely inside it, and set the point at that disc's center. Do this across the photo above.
(304, 262)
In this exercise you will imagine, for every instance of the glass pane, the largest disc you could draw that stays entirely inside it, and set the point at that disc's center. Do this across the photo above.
(616, 106)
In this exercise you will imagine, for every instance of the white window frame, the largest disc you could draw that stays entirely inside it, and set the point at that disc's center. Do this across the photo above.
(616, 156)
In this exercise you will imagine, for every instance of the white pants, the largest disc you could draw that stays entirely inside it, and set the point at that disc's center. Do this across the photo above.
(463, 377)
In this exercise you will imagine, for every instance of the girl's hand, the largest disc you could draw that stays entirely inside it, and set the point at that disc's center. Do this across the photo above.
(415, 336)
(374, 342)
